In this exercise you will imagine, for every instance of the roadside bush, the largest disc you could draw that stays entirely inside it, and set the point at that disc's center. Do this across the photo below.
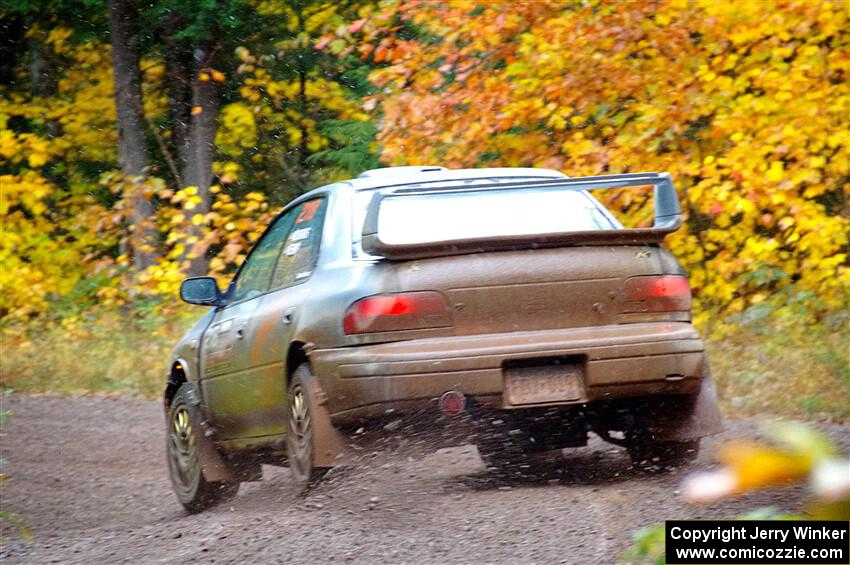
(784, 361)
(114, 350)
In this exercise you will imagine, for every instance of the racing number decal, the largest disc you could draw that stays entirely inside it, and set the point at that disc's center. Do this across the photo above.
(308, 210)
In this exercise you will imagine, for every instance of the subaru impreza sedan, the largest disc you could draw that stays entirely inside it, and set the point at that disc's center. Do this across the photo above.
(510, 298)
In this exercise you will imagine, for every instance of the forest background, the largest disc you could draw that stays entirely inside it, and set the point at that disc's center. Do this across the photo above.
(143, 142)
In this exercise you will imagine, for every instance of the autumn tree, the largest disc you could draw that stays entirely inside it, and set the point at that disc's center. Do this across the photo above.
(299, 114)
(246, 83)
(747, 104)
(239, 112)
(56, 137)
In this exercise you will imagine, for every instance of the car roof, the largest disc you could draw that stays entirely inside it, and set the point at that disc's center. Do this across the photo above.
(407, 176)
(397, 176)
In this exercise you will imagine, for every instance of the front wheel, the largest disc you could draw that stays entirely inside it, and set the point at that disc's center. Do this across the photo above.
(300, 438)
(194, 492)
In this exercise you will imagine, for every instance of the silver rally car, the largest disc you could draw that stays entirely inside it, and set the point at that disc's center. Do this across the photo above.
(508, 298)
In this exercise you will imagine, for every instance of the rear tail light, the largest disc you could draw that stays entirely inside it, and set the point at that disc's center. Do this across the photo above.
(397, 312)
(657, 293)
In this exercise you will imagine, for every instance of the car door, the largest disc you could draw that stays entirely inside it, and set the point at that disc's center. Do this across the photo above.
(272, 323)
(225, 350)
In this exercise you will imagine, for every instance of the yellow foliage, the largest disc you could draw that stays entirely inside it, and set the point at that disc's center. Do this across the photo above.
(750, 114)
(283, 105)
(34, 260)
(56, 233)
(68, 218)
(238, 129)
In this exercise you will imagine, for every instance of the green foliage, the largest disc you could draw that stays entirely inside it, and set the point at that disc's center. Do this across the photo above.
(351, 146)
(647, 546)
(10, 519)
(290, 117)
(196, 21)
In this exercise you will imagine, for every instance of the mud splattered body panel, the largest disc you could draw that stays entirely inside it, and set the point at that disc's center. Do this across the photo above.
(555, 320)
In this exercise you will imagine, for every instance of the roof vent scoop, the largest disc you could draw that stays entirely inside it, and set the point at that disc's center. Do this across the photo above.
(397, 171)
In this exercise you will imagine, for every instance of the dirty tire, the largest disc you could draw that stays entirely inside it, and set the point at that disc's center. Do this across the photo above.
(300, 441)
(661, 456)
(194, 492)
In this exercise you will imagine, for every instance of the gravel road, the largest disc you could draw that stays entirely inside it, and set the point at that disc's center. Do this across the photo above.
(88, 476)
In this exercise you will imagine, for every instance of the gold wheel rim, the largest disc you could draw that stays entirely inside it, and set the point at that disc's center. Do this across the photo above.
(183, 452)
(300, 435)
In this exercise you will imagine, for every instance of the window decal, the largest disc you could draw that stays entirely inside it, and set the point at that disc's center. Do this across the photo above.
(308, 210)
(299, 235)
(292, 248)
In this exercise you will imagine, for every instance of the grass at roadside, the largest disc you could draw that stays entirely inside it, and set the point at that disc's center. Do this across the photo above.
(104, 351)
(781, 367)
(785, 367)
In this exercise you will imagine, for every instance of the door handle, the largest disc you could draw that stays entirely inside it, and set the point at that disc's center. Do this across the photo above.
(240, 333)
(287, 316)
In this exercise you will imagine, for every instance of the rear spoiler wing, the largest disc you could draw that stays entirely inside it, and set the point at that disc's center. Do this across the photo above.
(668, 218)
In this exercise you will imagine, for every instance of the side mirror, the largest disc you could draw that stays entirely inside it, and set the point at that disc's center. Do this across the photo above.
(202, 291)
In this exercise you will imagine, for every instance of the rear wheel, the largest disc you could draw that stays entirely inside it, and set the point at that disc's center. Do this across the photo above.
(661, 455)
(300, 438)
(194, 492)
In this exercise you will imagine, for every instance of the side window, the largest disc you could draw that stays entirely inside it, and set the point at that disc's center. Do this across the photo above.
(302, 246)
(255, 276)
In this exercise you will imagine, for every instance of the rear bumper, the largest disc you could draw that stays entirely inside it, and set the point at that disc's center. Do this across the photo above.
(620, 361)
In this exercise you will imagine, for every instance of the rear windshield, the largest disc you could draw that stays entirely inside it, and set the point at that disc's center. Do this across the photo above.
(486, 213)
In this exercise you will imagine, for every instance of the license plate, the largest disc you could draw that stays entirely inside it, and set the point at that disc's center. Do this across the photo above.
(546, 383)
